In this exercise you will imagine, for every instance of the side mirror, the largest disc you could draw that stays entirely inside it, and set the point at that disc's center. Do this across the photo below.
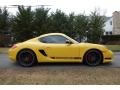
(68, 42)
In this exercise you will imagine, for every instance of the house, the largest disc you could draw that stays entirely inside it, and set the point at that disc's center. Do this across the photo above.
(112, 25)
(108, 27)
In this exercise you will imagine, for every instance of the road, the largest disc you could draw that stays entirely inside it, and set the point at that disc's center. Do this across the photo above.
(6, 63)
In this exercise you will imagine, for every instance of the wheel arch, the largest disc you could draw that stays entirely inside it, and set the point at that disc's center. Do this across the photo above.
(94, 49)
(26, 49)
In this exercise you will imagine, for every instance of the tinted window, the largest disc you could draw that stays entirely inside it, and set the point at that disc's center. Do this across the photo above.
(53, 39)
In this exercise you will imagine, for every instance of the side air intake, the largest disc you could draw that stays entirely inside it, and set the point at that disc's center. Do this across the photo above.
(43, 52)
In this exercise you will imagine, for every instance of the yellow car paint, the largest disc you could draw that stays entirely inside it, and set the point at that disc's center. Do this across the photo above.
(59, 52)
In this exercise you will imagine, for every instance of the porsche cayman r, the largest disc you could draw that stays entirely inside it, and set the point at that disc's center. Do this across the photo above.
(58, 47)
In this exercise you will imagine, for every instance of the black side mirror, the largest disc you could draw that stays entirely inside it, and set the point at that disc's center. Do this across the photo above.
(68, 42)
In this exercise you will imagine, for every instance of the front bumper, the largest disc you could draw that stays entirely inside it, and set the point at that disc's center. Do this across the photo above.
(108, 56)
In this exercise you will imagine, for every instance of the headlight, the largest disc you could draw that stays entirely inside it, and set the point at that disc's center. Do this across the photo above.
(105, 48)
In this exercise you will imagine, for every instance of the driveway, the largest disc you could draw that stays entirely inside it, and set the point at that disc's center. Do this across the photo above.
(6, 63)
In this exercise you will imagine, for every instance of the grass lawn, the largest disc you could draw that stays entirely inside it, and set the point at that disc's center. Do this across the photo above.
(4, 50)
(114, 48)
(70, 75)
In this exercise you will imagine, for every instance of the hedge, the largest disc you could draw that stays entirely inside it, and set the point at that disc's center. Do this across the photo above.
(111, 39)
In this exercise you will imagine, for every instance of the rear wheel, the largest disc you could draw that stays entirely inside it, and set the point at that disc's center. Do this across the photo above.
(26, 58)
(93, 58)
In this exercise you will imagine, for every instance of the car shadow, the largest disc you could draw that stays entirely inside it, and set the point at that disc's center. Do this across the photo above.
(60, 65)
(70, 65)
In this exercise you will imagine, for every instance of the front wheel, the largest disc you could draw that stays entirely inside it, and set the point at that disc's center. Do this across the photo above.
(93, 58)
(26, 58)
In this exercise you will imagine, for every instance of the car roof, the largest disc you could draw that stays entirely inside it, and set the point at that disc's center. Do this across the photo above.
(52, 34)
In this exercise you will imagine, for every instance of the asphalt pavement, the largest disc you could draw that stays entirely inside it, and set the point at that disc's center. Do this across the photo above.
(6, 63)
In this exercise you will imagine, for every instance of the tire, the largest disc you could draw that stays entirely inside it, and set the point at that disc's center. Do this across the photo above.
(26, 58)
(93, 58)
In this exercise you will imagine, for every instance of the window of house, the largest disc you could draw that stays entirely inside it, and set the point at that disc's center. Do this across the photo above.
(106, 33)
(110, 22)
(110, 33)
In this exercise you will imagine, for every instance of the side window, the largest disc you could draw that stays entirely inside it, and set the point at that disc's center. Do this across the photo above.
(53, 39)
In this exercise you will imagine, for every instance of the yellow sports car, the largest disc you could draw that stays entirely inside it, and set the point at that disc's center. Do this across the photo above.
(58, 47)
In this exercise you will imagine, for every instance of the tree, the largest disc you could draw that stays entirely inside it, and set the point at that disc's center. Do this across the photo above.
(41, 21)
(58, 22)
(22, 26)
(4, 25)
(4, 20)
(96, 27)
(27, 24)
(71, 25)
(81, 26)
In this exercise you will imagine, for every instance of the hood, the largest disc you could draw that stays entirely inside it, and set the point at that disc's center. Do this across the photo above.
(91, 45)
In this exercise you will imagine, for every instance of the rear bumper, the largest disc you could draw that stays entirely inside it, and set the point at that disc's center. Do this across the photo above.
(12, 54)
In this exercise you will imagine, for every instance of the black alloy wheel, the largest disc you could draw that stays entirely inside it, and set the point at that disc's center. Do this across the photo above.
(26, 58)
(93, 58)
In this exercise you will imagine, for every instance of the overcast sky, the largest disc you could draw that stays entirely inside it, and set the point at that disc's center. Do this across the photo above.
(107, 7)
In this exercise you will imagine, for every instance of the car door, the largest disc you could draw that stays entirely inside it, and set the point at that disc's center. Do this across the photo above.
(57, 48)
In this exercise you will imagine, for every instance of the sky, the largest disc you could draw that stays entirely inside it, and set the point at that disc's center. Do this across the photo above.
(106, 7)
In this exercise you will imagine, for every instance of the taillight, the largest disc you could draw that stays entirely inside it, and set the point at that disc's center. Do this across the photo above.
(14, 46)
